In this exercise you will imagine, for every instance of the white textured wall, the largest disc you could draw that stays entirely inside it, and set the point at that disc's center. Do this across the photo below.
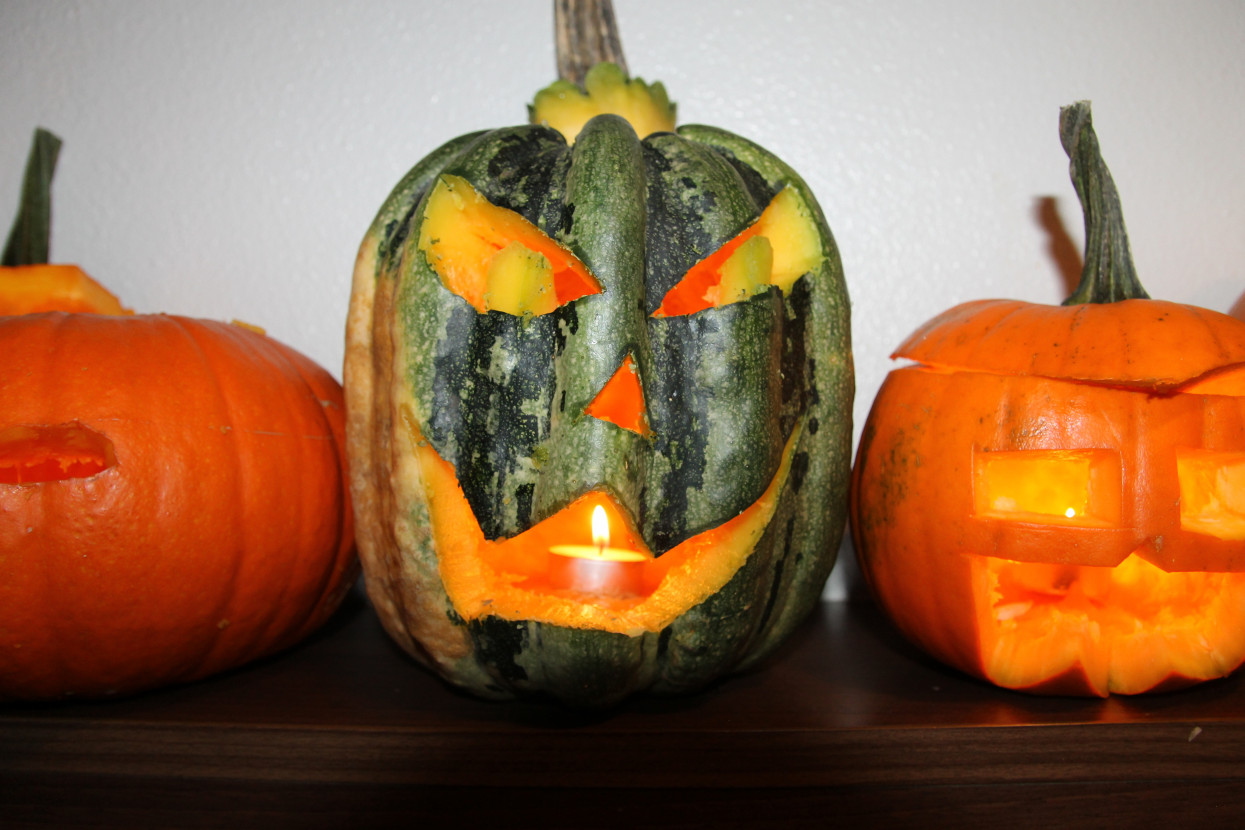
(223, 157)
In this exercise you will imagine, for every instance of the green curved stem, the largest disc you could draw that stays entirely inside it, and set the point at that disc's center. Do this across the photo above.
(31, 236)
(1108, 274)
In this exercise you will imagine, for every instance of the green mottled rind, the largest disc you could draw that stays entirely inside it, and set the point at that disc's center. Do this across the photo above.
(502, 398)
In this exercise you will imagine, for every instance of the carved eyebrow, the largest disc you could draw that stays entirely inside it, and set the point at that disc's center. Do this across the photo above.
(781, 246)
(494, 258)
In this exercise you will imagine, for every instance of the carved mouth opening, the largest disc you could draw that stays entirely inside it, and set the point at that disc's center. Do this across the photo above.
(518, 578)
(1125, 629)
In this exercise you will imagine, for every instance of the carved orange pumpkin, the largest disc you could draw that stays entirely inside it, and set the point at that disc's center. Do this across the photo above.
(172, 501)
(172, 491)
(1053, 498)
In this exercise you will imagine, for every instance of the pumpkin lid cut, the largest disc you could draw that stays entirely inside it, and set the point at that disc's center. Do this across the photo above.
(1154, 345)
(28, 284)
(1108, 331)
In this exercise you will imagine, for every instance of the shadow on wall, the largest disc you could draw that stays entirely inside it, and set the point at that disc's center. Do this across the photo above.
(1063, 253)
(1068, 263)
(1068, 260)
(1238, 308)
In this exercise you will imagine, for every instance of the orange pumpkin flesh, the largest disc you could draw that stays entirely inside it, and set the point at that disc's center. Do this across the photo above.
(784, 224)
(53, 453)
(172, 501)
(1093, 558)
(475, 245)
(621, 400)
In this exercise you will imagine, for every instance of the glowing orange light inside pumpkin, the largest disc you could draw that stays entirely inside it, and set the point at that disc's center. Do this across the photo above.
(1045, 623)
(509, 578)
(598, 568)
(1066, 487)
(1212, 492)
(480, 250)
(792, 249)
(600, 527)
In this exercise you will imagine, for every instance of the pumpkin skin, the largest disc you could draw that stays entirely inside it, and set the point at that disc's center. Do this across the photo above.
(172, 501)
(458, 444)
(1053, 498)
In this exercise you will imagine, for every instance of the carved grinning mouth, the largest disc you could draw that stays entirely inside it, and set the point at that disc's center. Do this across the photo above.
(510, 578)
(1124, 629)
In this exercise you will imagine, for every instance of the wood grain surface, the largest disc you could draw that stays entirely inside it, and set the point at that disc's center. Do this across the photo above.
(847, 726)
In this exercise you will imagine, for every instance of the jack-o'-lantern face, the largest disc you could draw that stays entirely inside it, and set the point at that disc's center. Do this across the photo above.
(1090, 512)
(495, 557)
(640, 331)
(1053, 497)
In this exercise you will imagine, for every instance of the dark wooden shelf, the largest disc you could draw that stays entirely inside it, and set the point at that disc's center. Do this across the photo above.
(847, 726)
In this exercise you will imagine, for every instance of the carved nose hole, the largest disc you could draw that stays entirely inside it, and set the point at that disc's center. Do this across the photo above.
(33, 454)
(621, 400)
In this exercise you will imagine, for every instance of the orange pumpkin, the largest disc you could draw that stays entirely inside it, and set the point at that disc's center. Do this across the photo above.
(172, 501)
(1053, 498)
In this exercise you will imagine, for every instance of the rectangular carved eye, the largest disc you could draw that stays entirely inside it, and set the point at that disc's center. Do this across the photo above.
(1076, 488)
(1212, 492)
(494, 258)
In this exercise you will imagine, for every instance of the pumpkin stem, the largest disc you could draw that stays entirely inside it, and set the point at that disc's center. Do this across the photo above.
(1108, 274)
(31, 235)
(586, 34)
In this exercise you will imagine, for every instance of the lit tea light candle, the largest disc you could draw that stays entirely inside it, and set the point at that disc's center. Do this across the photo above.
(598, 568)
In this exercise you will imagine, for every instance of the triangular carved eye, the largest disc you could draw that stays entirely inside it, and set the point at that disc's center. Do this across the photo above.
(494, 258)
(779, 248)
(621, 400)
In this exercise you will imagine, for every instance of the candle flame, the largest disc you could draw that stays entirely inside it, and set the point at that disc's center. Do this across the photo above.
(600, 527)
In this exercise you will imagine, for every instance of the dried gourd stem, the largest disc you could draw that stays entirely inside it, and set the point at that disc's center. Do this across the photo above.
(1108, 274)
(586, 34)
(30, 238)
